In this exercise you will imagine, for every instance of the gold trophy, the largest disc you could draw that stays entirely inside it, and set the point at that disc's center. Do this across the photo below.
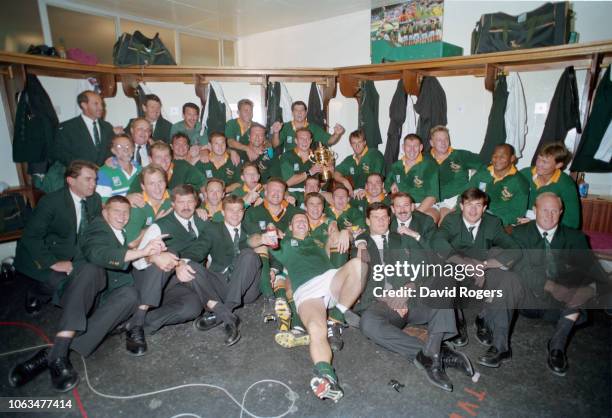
(324, 157)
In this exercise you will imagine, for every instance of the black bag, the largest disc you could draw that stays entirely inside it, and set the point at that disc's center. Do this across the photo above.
(14, 212)
(547, 25)
(137, 49)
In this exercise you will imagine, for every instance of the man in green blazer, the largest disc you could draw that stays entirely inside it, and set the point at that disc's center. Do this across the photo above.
(559, 274)
(48, 245)
(84, 137)
(101, 269)
(231, 278)
(472, 237)
(164, 299)
(407, 221)
(384, 315)
(152, 113)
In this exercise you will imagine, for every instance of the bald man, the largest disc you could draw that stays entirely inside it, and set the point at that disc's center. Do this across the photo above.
(559, 274)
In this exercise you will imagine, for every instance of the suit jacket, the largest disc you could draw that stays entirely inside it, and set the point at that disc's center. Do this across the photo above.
(74, 142)
(576, 264)
(179, 239)
(401, 248)
(491, 240)
(51, 233)
(217, 242)
(161, 132)
(421, 223)
(99, 245)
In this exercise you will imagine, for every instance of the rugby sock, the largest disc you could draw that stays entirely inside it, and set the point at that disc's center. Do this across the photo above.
(336, 315)
(323, 368)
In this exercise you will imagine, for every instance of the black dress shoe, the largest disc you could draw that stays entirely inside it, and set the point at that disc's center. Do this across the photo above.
(63, 375)
(206, 321)
(135, 342)
(557, 361)
(434, 370)
(462, 338)
(24, 372)
(456, 360)
(232, 335)
(33, 305)
(494, 358)
(483, 333)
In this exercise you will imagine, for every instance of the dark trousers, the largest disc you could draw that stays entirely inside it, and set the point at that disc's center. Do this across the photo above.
(499, 311)
(384, 326)
(83, 313)
(235, 289)
(173, 302)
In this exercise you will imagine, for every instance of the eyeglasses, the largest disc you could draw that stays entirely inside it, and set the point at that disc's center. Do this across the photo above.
(125, 147)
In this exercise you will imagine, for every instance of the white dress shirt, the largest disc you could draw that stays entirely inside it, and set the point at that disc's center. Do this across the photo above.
(476, 227)
(89, 123)
(77, 206)
(551, 232)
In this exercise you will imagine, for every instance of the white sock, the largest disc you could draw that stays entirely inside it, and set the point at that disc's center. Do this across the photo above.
(341, 307)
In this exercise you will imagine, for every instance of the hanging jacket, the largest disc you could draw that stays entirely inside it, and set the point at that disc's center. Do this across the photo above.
(35, 123)
(397, 116)
(593, 153)
(431, 107)
(496, 128)
(515, 117)
(315, 107)
(564, 112)
(368, 114)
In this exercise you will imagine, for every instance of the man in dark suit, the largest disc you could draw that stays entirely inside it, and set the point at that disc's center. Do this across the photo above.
(101, 269)
(559, 274)
(48, 245)
(84, 137)
(384, 314)
(152, 113)
(407, 221)
(231, 278)
(472, 237)
(164, 298)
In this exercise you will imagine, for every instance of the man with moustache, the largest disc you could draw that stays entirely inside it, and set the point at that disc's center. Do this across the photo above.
(407, 221)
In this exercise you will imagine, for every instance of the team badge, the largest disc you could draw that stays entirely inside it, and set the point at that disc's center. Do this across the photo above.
(366, 168)
(398, 178)
(149, 220)
(352, 170)
(296, 167)
(506, 194)
(262, 225)
(209, 174)
(455, 167)
(229, 172)
(116, 181)
(294, 242)
(482, 186)
(290, 140)
(418, 183)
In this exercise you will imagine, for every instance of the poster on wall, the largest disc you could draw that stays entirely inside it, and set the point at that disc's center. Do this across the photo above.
(409, 30)
(413, 22)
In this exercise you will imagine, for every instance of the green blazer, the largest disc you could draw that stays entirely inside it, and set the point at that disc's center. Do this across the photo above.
(179, 239)
(575, 262)
(51, 233)
(217, 242)
(100, 246)
(421, 223)
(162, 129)
(74, 142)
(454, 238)
(403, 248)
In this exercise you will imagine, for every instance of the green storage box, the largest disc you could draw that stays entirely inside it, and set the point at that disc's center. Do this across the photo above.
(383, 51)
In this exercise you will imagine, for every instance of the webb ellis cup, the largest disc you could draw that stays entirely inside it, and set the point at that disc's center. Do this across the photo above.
(325, 158)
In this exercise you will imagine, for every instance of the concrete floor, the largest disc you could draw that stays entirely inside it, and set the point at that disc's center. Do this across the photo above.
(180, 355)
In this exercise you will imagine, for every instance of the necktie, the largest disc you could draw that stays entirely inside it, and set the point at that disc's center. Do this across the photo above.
(551, 265)
(236, 241)
(96, 134)
(191, 230)
(83, 222)
(138, 156)
(385, 247)
(471, 230)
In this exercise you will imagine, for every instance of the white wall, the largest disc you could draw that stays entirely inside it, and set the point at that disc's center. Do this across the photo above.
(344, 41)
